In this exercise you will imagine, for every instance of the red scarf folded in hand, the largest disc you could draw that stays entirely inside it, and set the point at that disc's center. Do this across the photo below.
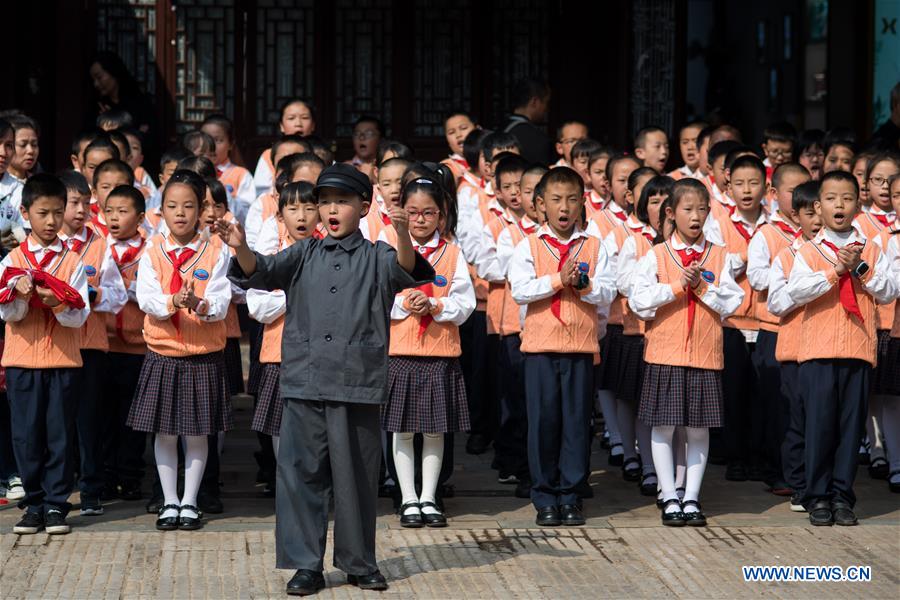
(64, 292)
(564, 250)
(688, 257)
(847, 295)
(427, 289)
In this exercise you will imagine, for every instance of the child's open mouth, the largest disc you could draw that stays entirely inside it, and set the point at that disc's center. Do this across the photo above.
(839, 217)
(334, 224)
(563, 219)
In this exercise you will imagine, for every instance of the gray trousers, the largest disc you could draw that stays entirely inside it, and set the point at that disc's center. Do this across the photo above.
(327, 448)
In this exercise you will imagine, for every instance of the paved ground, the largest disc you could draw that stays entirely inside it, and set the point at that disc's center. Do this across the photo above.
(491, 549)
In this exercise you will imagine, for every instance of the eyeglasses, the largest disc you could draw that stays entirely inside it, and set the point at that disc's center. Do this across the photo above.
(428, 215)
(779, 152)
(878, 180)
(569, 141)
(365, 135)
(808, 154)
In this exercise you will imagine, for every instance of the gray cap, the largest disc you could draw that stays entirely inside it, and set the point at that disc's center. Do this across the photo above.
(344, 177)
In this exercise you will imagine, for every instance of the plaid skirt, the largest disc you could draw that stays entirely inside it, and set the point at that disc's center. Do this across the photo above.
(890, 368)
(631, 369)
(234, 368)
(255, 371)
(425, 395)
(181, 396)
(607, 374)
(681, 396)
(269, 404)
(881, 375)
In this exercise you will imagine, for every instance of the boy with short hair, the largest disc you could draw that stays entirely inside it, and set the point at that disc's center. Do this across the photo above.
(689, 146)
(108, 175)
(568, 134)
(332, 434)
(778, 145)
(837, 278)
(562, 275)
(44, 304)
(651, 146)
(580, 155)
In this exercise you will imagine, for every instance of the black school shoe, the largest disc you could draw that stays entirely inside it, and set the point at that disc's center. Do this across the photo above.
(90, 506)
(843, 514)
(167, 523)
(433, 519)
(305, 583)
(186, 523)
(674, 518)
(55, 522)
(548, 517)
(413, 520)
(693, 518)
(820, 513)
(372, 581)
(31, 523)
(571, 515)
(879, 469)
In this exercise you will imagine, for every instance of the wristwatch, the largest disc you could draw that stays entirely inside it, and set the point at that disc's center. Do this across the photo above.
(861, 269)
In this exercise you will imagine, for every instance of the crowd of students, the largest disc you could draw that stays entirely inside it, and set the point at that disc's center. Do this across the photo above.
(739, 309)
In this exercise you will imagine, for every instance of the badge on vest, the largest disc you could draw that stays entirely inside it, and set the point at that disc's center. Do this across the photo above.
(201, 274)
(707, 276)
(89, 270)
(230, 189)
(440, 281)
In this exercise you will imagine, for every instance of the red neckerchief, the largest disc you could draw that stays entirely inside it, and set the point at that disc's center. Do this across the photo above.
(175, 282)
(620, 215)
(741, 229)
(688, 257)
(564, 250)
(641, 231)
(526, 230)
(881, 218)
(101, 228)
(845, 283)
(427, 289)
(460, 161)
(385, 218)
(95, 208)
(126, 259)
(787, 228)
(49, 255)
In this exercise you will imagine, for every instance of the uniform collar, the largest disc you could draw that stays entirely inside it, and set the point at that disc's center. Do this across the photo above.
(699, 247)
(348, 243)
(839, 239)
(576, 233)
(34, 247)
(635, 225)
(169, 244)
(890, 214)
(432, 243)
(614, 207)
(761, 220)
(124, 244)
(81, 236)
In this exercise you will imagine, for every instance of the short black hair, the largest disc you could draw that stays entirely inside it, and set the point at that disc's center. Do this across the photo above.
(198, 141)
(585, 148)
(527, 88)
(564, 175)
(509, 163)
(805, 195)
(188, 178)
(399, 149)
(809, 138)
(297, 192)
(838, 175)
(217, 191)
(290, 139)
(704, 134)
(87, 135)
(660, 184)
(617, 158)
(370, 119)
(559, 130)
(721, 149)
(200, 165)
(395, 162)
(75, 182)
(496, 140)
(116, 117)
(749, 161)
(781, 131)
(472, 146)
(641, 136)
(132, 193)
(175, 154)
(102, 142)
(117, 137)
(290, 163)
(113, 165)
(320, 149)
(600, 153)
(43, 185)
(783, 169)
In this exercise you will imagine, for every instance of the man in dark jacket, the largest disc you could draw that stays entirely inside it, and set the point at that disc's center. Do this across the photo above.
(531, 99)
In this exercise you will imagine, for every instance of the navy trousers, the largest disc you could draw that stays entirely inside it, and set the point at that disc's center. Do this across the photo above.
(89, 418)
(742, 429)
(511, 444)
(835, 397)
(123, 447)
(8, 466)
(558, 400)
(478, 355)
(42, 409)
(771, 403)
(792, 449)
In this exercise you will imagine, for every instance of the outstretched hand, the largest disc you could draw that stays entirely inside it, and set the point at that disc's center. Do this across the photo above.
(231, 233)
(399, 218)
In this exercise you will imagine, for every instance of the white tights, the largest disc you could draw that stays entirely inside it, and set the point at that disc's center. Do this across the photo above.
(664, 461)
(165, 447)
(404, 463)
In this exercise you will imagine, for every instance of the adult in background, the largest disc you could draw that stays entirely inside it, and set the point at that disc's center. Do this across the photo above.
(531, 100)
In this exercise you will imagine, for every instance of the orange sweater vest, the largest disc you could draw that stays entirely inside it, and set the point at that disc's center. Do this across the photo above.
(607, 223)
(93, 334)
(577, 333)
(631, 324)
(193, 335)
(130, 338)
(745, 316)
(440, 340)
(500, 302)
(777, 240)
(788, 345)
(38, 341)
(885, 312)
(827, 330)
(668, 340)
(232, 177)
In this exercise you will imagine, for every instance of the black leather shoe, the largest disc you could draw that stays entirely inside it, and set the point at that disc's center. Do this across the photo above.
(412, 520)
(820, 513)
(190, 523)
(674, 518)
(433, 519)
(879, 469)
(305, 583)
(648, 488)
(210, 503)
(843, 514)
(523, 488)
(571, 515)
(631, 469)
(694, 518)
(167, 523)
(548, 517)
(372, 581)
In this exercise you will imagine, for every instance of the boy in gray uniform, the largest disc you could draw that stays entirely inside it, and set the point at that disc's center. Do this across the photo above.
(333, 376)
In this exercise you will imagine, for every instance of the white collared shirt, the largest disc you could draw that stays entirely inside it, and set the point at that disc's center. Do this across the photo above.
(626, 260)
(241, 199)
(759, 259)
(647, 294)
(266, 306)
(779, 301)
(121, 247)
(113, 295)
(527, 287)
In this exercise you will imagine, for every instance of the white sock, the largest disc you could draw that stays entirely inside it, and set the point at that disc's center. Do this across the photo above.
(890, 421)
(697, 452)
(679, 443)
(874, 427)
(644, 445)
(166, 451)
(404, 464)
(432, 457)
(195, 454)
(607, 402)
(625, 420)
(661, 446)
(276, 439)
